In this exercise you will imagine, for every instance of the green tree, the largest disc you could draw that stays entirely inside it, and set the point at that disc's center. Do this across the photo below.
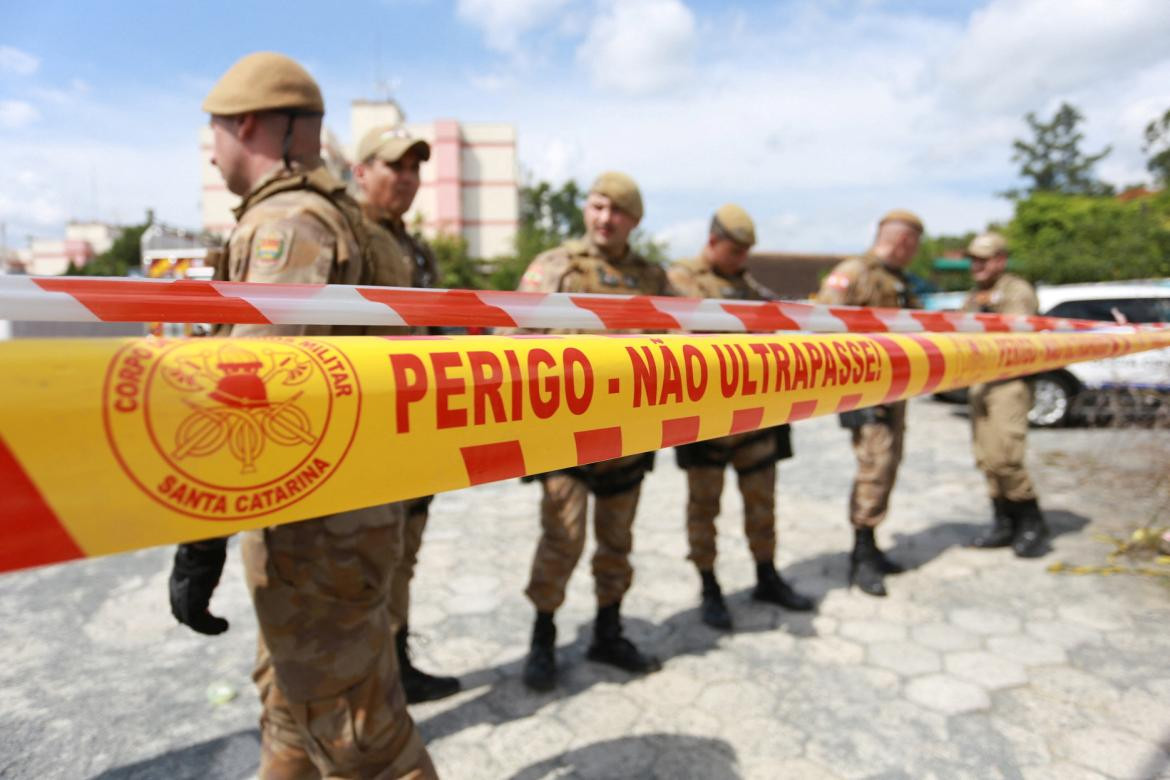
(1060, 239)
(124, 254)
(1157, 145)
(1053, 161)
(457, 269)
(933, 247)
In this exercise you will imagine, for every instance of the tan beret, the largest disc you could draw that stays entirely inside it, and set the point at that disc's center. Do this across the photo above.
(622, 190)
(734, 223)
(389, 143)
(903, 216)
(986, 245)
(264, 81)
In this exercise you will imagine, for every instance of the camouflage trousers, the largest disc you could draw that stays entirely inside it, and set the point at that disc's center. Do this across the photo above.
(563, 510)
(878, 450)
(999, 431)
(412, 535)
(758, 487)
(326, 669)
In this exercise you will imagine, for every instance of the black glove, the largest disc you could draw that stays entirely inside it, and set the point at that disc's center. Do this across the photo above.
(198, 566)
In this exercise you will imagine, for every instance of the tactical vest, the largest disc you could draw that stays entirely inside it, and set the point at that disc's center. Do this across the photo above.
(600, 275)
(319, 181)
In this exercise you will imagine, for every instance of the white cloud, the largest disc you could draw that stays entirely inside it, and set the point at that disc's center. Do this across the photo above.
(1018, 53)
(17, 62)
(17, 113)
(504, 22)
(685, 238)
(639, 46)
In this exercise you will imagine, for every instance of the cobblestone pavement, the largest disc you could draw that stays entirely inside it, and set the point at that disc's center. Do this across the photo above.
(977, 665)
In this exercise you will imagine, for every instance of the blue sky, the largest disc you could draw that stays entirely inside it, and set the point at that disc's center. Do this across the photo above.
(815, 115)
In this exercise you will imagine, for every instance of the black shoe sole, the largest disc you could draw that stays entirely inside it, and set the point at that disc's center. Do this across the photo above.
(419, 698)
(809, 607)
(599, 658)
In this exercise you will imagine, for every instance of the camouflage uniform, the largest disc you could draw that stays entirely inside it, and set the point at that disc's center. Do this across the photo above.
(877, 442)
(326, 665)
(753, 455)
(578, 266)
(999, 410)
(424, 273)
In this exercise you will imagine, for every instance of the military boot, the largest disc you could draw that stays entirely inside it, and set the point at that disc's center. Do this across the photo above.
(610, 647)
(419, 685)
(712, 608)
(540, 669)
(865, 564)
(772, 588)
(1002, 527)
(1031, 537)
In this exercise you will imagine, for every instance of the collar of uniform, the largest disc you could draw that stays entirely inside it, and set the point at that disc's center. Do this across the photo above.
(278, 171)
(383, 217)
(627, 258)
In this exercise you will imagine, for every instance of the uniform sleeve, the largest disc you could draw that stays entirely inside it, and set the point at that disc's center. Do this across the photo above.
(392, 268)
(838, 288)
(1019, 298)
(682, 281)
(296, 249)
(544, 273)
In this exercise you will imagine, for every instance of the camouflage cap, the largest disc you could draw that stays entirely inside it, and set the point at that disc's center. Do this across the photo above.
(986, 245)
(903, 216)
(389, 143)
(622, 190)
(264, 81)
(733, 222)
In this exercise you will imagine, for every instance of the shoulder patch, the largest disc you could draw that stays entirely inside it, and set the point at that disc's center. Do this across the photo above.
(270, 246)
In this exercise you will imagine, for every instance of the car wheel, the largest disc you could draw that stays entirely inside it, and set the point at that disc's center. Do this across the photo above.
(1052, 400)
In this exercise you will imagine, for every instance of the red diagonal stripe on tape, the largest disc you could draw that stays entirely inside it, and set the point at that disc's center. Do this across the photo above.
(33, 536)
(899, 367)
(129, 300)
(746, 419)
(598, 444)
(634, 312)
(848, 402)
(936, 321)
(680, 430)
(802, 410)
(936, 363)
(493, 462)
(451, 307)
(993, 323)
(764, 318)
(859, 320)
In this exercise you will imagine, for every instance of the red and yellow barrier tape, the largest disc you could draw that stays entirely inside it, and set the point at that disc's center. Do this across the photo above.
(113, 445)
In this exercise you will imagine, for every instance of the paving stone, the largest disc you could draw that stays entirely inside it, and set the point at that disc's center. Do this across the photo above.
(744, 698)
(945, 637)
(1028, 748)
(986, 669)
(869, 631)
(947, 694)
(1027, 650)
(1061, 771)
(800, 768)
(1112, 752)
(1067, 635)
(763, 738)
(832, 650)
(1098, 616)
(986, 622)
(605, 714)
(904, 658)
(1142, 714)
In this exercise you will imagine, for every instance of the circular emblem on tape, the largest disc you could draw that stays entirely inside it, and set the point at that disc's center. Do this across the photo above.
(230, 429)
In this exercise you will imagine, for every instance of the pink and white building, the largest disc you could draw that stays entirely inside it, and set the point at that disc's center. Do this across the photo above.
(469, 187)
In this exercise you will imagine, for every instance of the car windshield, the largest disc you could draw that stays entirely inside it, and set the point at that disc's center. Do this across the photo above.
(1131, 309)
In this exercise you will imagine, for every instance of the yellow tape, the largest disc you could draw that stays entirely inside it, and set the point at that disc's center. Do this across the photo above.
(132, 443)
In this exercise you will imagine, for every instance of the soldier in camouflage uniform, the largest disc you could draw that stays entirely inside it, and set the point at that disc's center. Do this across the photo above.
(602, 262)
(326, 665)
(999, 411)
(875, 279)
(387, 173)
(719, 272)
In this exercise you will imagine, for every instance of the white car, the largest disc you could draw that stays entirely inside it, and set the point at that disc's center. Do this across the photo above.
(1137, 382)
